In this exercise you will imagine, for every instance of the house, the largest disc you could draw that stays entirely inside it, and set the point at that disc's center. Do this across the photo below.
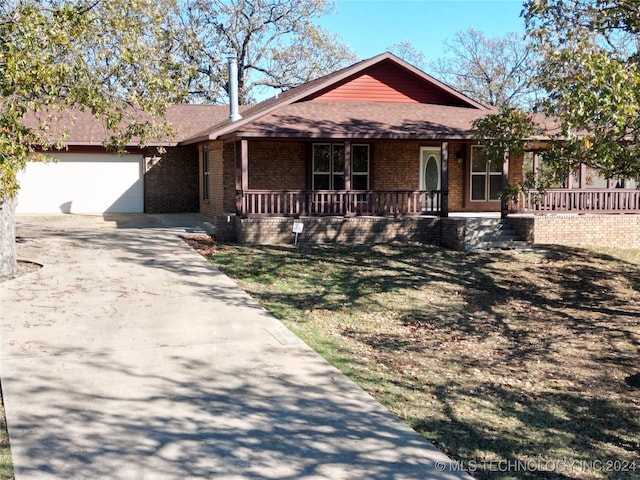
(378, 151)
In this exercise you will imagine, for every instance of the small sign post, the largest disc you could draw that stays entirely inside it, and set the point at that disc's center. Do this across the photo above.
(298, 227)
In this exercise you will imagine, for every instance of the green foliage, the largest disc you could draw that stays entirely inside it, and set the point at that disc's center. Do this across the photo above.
(118, 59)
(591, 72)
(504, 133)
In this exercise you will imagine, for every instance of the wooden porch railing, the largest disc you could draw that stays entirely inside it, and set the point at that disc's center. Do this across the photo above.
(578, 201)
(289, 203)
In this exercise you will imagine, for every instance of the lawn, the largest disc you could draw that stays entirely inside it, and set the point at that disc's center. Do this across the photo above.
(517, 365)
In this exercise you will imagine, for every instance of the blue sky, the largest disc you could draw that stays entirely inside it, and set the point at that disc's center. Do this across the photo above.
(370, 26)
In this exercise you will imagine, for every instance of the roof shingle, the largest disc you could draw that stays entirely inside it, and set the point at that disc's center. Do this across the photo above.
(365, 120)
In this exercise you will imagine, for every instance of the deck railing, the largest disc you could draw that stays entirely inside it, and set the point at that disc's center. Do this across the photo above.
(579, 201)
(290, 203)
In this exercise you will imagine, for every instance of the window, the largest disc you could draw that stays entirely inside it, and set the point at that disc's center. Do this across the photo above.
(205, 173)
(328, 166)
(626, 183)
(360, 167)
(486, 178)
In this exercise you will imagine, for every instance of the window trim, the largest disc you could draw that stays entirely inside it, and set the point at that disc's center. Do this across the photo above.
(361, 174)
(437, 153)
(487, 174)
(332, 174)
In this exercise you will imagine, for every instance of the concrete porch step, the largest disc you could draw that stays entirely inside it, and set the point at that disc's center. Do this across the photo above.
(490, 233)
(501, 245)
(492, 238)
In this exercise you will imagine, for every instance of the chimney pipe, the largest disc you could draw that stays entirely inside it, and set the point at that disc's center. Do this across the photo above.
(234, 114)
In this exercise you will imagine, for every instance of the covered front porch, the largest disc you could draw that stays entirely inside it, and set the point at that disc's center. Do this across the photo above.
(342, 178)
(579, 201)
(297, 203)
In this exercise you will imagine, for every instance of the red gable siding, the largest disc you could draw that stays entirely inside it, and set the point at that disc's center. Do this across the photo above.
(386, 82)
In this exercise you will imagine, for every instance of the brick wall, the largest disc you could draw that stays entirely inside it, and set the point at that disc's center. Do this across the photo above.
(229, 178)
(523, 225)
(575, 230)
(453, 233)
(515, 171)
(456, 177)
(360, 230)
(222, 183)
(277, 166)
(395, 166)
(213, 205)
(589, 230)
(171, 183)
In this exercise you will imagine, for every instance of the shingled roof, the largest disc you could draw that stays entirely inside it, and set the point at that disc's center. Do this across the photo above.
(339, 119)
(303, 112)
(83, 129)
(298, 112)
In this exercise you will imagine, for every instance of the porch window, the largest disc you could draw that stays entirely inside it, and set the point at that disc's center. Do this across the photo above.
(205, 172)
(486, 178)
(328, 166)
(360, 167)
(594, 179)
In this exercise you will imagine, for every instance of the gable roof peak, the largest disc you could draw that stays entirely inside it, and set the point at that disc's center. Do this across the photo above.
(307, 90)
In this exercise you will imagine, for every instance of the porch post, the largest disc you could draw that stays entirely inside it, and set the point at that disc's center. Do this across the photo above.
(583, 177)
(444, 179)
(347, 175)
(504, 201)
(241, 152)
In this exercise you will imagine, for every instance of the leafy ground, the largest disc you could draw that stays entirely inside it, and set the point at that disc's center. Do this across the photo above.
(518, 365)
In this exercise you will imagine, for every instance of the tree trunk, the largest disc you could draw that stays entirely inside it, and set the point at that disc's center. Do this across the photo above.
(7, 236)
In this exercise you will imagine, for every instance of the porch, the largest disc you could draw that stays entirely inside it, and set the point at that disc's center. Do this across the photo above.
(579, 201)
(347, 203)
(381, 203)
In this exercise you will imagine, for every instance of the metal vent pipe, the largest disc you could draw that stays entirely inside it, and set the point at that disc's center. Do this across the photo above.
(234, 113)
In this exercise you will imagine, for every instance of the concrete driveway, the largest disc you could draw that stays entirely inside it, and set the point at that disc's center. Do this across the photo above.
(128, 356)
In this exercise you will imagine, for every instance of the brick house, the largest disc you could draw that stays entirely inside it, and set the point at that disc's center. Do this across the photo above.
(377, 140)
(377, 151)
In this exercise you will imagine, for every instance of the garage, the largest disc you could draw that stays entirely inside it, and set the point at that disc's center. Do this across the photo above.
(83, 183)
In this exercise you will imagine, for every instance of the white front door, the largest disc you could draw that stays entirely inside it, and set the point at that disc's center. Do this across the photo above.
(430, 174)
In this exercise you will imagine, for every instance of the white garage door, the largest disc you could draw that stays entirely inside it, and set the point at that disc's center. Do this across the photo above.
(83, 183)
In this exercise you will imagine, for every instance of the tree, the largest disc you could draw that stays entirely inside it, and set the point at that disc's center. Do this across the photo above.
(493, 71)
(506, 134)
(407, 52)
(591, 73)
(275, 41)
(118, 59)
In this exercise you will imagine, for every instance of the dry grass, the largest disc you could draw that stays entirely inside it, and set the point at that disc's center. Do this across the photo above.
(494, 357)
